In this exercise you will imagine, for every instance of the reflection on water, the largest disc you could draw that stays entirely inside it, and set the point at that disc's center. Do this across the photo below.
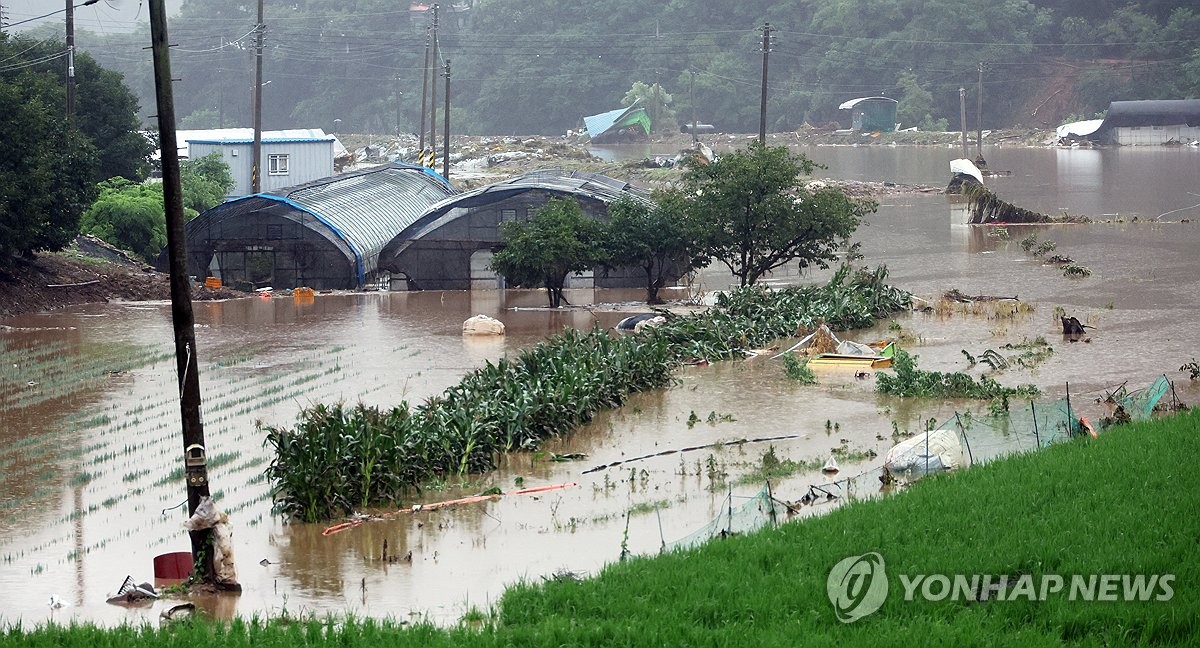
(89, 453)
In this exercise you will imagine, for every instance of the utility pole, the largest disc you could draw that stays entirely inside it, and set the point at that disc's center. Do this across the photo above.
(962, 114)
(446, 133)
(70, 59)
(979, 113)
(186, 362)
(256, 149)
(424, 93)
(692, 100)
(433, 75)
(762, 104)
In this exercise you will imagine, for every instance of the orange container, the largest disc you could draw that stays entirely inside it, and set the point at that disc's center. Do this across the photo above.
(212, 282)
(303, 295)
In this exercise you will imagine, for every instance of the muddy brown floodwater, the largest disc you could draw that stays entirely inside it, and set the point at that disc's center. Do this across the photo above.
(89, 442)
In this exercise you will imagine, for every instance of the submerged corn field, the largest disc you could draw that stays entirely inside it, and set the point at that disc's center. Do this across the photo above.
(340, 458)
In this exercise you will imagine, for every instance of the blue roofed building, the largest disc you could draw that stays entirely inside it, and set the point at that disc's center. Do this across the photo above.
(289, 157)
(615, 125)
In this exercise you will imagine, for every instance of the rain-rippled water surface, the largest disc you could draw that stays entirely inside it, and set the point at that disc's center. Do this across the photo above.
(89, 424)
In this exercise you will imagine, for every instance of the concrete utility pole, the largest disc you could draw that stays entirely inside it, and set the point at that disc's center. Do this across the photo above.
(979, 113)
(433, 75)
(762, 104)
(186, 362)
(424, 96)
(446, 133)
(962, 114)
(70, 59)
(256, 149)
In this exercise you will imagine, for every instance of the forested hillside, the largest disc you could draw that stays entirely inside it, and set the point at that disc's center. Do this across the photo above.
(538, 66)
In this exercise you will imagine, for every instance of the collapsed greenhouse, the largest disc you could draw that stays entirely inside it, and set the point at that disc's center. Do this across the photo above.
(450, 247)
(324, 234)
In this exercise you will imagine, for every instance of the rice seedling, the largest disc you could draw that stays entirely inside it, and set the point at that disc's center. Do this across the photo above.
(771, 467)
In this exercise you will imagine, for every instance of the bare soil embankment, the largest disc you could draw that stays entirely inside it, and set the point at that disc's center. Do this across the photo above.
(88, 271)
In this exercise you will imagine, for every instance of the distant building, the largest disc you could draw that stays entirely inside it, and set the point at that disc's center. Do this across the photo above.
(1141, 123)
(289, 157)
(619, 124)
(871, 114)
(450, 247)
(325, 234)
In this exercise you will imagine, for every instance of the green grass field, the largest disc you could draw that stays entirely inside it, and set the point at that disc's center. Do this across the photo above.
(1122, 504)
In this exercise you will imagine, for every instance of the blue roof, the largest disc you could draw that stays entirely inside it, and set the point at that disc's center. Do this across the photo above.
(597, 125)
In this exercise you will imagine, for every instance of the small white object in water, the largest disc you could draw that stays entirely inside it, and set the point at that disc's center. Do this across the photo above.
(830, 465)
(56, 602)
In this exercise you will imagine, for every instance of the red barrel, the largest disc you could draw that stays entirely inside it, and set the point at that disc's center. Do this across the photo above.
(173, 566)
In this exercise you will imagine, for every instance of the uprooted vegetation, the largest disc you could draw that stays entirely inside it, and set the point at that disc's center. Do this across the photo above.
(908, 380)
(339, 457)
(1041, 249)
(986, 207)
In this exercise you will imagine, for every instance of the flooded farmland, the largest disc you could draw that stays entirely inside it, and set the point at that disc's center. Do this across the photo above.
(90, 447)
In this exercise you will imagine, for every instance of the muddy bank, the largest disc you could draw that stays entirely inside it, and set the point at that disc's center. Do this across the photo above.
(89, 271)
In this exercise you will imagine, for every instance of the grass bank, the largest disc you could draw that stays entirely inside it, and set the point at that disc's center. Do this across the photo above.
(1122, 504)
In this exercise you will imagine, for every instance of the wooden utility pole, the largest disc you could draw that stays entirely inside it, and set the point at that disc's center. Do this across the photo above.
(979, 113)
(186, 363)
(762, 104)
(433, 75)
(962, 114)
(256, 150)
(70, 59)
(424, 95)
(446, 133)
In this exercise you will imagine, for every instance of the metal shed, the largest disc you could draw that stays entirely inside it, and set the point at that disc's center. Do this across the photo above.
(1149, 122)
(289, 157)
(325, 234)
(450, 247)
(616, 124)
(871, 114)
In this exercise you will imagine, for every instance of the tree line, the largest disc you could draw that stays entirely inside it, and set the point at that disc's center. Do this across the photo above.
(539, 66)
(749, 210)
(62, 175)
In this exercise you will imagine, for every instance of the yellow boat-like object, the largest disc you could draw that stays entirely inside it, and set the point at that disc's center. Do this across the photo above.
(881, 361)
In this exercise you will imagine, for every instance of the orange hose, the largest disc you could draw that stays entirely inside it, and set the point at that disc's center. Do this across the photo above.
(541, 489)
(338, 528)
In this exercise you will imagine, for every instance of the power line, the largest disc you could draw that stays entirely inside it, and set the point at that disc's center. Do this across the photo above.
(85, 3)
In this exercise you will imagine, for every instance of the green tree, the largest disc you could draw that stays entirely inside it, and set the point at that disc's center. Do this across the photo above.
(106, 112)
(916, 106)
(129, 215)
(204, 182)
(46, 166)
(558, 240)
(657, 103)
(657, 237)
(755, 214)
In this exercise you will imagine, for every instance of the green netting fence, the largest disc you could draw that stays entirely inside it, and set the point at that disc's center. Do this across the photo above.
(1139, 404)
(738, 515)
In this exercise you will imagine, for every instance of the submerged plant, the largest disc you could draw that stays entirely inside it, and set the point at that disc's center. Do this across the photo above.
(908, 380)
(798, 370)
